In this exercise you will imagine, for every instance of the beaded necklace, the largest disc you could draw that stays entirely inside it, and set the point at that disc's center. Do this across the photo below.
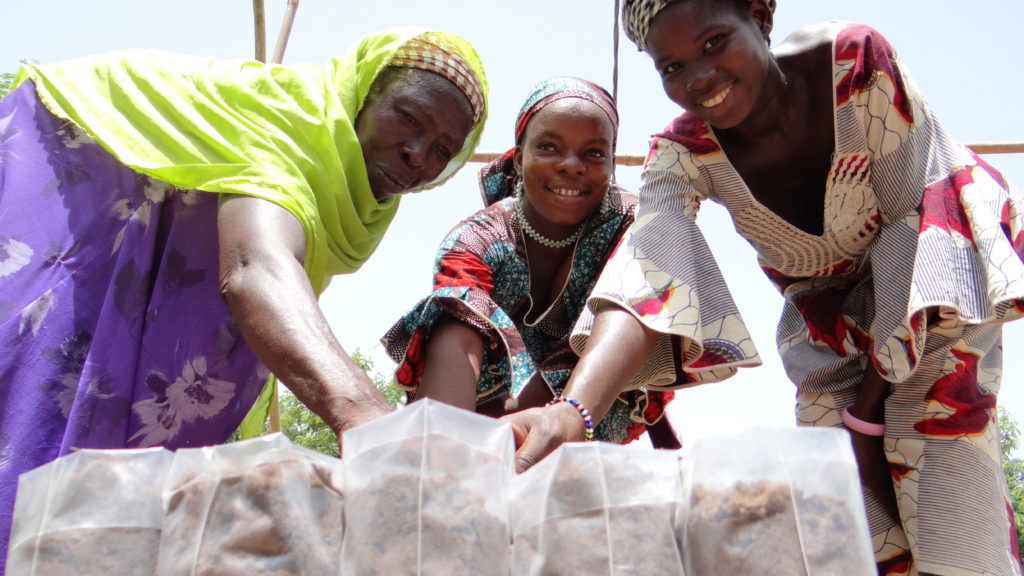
(540, 238)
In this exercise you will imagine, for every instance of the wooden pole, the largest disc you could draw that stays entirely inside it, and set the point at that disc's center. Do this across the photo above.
(638, 159)
(259, 20)
(286, 31)
(279, 48)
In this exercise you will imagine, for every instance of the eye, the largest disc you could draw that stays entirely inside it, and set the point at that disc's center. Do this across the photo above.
(545, 146)
(597, 153)
(671, 68)
(713, 41)
(444, 153)
(408, 118)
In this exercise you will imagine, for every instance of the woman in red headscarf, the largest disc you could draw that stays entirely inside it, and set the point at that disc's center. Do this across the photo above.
(510, 281)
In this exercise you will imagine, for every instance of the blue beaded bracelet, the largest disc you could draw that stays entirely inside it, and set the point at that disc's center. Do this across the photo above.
(588, 422)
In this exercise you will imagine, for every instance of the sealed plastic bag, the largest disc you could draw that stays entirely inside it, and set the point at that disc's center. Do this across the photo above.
(90, 512)
(261, 506)
(597, 508)
(774, 502)
(426, 493)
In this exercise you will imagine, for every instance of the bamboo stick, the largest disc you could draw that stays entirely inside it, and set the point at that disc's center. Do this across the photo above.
(286, 31)
(638, 159)
(282, 44)
(259, 21)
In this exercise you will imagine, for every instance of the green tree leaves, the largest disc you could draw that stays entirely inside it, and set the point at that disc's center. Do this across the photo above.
(1009, 438)
(304, 428)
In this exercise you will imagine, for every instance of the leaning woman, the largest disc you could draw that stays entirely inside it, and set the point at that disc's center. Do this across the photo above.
(510, 281)
(899, 252)
(167, 223)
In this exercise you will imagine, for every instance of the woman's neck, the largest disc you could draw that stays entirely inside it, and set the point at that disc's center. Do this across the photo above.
(779, 109)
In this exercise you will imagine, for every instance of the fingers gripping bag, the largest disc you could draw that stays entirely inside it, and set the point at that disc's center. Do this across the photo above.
(597, 508)
(427, 493)
(90, 512)
(262, 506)
(783, 502)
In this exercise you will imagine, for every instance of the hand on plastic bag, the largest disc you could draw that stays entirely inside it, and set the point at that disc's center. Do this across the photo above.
(538, 431)
(356, 414)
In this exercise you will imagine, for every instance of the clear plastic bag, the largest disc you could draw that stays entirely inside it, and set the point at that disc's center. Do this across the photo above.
(90, 512)
(263, 506)
(427, 493)
(783, 502)
(597, 508)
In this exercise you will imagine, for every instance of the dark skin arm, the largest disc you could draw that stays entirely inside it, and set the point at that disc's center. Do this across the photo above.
(870, 450)
(616, 350)
(455, 354)
(262, 280)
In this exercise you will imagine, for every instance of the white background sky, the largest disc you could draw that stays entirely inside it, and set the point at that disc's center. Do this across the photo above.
(964, 56)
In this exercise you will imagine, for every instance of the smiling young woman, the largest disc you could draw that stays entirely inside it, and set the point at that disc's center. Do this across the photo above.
(899, 252)
(511, 280)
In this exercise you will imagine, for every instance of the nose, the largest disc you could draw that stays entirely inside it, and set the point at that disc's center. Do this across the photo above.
(571, 163)
(413, 152)
(699, 77)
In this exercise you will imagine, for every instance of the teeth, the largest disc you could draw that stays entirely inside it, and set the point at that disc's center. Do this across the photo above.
(717, 98)
(564, 192)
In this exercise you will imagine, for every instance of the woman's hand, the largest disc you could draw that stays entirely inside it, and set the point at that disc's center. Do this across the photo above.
(355, 414)
(539, 431)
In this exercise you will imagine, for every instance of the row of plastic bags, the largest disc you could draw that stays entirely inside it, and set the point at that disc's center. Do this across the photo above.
(430, 490)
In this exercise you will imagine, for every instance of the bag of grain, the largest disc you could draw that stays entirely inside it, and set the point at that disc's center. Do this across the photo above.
(783, 502)
(90, 512)
(427, 493)
(597, 508)
(261, 506)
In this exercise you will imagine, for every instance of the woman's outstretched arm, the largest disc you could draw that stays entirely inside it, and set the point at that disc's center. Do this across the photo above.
(617, 349)
(263, 282)
(455, 353)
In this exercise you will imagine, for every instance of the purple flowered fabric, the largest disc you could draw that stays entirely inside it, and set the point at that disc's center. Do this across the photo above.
(112, 330)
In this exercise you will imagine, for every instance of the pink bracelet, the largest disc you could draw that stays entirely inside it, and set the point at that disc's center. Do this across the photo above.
(862, 426)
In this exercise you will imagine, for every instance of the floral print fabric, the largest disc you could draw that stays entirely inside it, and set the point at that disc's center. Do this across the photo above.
(482, 278)
(111, 324)
(921, 260)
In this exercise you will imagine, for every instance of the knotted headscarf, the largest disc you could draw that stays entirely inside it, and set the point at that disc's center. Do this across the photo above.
(637, 16)
(498, 178)
(282, 133)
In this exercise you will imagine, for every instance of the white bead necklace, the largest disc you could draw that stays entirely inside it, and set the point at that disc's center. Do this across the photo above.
(540, 238)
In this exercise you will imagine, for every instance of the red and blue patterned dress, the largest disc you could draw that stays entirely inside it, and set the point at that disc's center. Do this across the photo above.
(482, 278)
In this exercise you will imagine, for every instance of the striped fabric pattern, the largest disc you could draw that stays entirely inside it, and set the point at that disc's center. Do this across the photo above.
(432, 52)
(921, 260)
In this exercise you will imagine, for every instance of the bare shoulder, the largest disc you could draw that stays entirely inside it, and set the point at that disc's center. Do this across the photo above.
(810, 40)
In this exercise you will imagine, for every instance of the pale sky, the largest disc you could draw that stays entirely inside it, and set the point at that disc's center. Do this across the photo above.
(964, 56)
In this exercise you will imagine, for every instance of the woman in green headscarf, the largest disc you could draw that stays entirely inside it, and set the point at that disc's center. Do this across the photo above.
(167, 223)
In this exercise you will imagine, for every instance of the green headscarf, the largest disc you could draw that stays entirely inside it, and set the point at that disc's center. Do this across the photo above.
(282, 133)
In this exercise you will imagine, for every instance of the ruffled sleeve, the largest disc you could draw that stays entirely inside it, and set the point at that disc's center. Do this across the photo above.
(466, 264)
(664, 274)
(951, 244)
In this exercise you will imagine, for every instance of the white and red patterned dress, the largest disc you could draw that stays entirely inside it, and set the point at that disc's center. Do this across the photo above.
(920, 263)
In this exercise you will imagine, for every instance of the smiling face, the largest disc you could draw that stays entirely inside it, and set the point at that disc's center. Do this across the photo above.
(565, 160)
(413, 123)
(713, 57)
